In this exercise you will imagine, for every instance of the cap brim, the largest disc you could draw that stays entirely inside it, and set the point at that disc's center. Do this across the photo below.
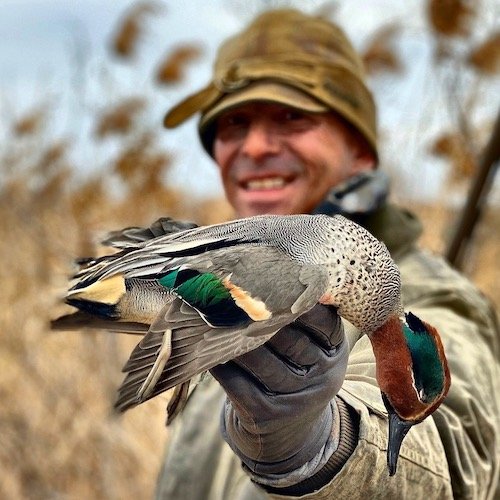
(267, 92)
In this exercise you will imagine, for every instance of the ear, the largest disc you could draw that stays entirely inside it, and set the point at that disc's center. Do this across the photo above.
(363, 158)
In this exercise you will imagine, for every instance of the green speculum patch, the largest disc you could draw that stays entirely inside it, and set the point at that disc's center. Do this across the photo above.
(206, 293)
(427, 367)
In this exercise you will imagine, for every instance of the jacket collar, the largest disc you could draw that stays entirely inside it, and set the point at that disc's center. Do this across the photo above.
(363, 199)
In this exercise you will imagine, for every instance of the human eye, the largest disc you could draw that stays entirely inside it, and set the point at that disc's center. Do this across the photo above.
(233, 120)
(293, 115)
(231, 125)
(293, 120)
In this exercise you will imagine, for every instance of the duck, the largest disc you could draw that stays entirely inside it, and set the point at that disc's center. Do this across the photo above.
(203, 295)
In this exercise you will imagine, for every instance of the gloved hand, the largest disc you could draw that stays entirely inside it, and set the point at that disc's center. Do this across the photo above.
(280, 404)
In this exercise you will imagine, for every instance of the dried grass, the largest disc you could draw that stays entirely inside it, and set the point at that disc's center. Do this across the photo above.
(60, 437)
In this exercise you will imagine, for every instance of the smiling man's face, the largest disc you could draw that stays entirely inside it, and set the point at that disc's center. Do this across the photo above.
(277, 160)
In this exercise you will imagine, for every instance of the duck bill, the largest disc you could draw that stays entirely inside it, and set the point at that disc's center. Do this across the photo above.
(398, 429)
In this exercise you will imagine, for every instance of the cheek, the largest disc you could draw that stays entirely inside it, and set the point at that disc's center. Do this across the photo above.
(321, 166)
(325, 171)
(317, 189)
(219, 151)
(222, 156)
(332, 163)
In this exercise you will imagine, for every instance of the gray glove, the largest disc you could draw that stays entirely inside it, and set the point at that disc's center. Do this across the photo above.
(280, 404)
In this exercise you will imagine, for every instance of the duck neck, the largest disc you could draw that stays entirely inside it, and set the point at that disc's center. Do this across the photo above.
(393, 365)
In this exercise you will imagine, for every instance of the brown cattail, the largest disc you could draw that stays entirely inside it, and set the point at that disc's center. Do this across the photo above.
(171, 69)
(30, 123)
(450, 17)
(380, 55)
(129, 30)
(119, 119)
(485, 58)
(457, 151)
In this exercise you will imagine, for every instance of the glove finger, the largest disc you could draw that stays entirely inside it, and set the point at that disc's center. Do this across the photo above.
(293, 365)
(323, 325)
(249, 398)
(293, 343)
(278, 374)
(275, 372)
(305, 345)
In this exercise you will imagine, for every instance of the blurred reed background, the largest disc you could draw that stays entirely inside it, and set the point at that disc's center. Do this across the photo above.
(59, 437)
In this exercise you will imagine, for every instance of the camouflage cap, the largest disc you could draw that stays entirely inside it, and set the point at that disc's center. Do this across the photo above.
(287, 57)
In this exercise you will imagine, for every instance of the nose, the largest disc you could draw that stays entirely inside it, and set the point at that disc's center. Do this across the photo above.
(260, 140)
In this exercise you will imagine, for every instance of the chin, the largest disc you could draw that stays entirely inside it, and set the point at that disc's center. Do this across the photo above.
(277, 203)
(250, 212)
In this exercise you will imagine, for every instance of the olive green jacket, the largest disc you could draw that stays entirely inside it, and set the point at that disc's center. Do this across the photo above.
(453, 454)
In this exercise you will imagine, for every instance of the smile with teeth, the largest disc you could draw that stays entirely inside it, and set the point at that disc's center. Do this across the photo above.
(265, 183)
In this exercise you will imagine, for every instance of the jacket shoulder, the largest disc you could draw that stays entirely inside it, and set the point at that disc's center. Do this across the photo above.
(428, 281)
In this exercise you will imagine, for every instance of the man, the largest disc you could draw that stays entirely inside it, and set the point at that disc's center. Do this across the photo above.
(291, 124)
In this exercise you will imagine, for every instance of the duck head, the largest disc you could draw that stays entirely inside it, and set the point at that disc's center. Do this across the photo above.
(412, 373)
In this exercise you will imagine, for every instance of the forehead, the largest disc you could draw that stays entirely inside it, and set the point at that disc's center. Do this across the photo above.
(267, 107)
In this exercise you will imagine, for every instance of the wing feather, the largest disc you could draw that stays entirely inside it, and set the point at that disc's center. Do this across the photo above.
(81, 319)
(197, 347)
(289, 233)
